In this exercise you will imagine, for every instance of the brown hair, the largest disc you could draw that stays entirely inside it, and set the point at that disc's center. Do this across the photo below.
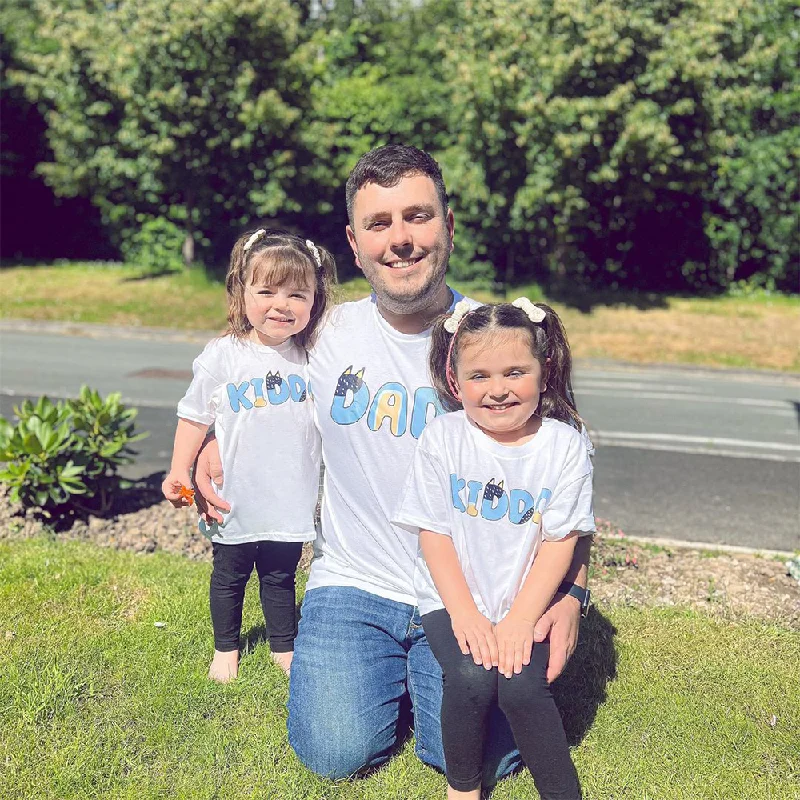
(387, 166)
(278, 257)
(548, 340)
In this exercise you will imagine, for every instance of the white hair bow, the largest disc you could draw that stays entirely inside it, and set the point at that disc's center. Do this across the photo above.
(253, 239)
(462, 308)
(314, 252)
(534, 313)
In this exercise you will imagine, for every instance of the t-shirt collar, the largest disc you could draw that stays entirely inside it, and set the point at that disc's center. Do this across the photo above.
(408, 337)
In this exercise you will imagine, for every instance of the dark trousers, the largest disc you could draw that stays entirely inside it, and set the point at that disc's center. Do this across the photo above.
(276, 564)
(469, 694)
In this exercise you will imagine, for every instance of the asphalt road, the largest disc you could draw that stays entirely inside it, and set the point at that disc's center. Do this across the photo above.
(699, 455)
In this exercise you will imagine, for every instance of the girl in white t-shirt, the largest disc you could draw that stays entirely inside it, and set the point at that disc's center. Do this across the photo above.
(251, 384)
(498, 491)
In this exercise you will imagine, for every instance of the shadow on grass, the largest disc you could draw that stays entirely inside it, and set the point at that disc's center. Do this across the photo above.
(252, 639)
(146, 275)
(141, 494)
(581, 689)
(585, 301)
(258, 635)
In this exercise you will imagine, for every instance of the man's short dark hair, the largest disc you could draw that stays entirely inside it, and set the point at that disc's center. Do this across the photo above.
(387, 166)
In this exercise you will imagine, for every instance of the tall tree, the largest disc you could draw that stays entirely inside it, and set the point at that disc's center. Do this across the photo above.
(187, 111)
(595, 134)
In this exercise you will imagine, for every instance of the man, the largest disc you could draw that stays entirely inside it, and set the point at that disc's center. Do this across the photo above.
(361, 653)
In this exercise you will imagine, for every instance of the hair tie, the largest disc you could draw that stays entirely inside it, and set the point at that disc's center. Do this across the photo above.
(314, 252)
(451, 325)
(254, 238)
(533, 312)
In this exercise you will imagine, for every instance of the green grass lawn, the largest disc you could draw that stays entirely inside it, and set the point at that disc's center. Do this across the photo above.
(759, 332)
(95, 701)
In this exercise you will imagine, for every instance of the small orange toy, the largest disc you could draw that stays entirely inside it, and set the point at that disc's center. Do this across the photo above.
(186, 494)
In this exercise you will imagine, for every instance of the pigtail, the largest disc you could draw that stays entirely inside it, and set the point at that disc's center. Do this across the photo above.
(238, 325)
(558, 401)
(325, 280)
(437, 363)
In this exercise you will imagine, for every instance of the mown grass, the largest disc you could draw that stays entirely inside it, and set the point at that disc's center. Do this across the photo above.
(759, 332)
(95, 701)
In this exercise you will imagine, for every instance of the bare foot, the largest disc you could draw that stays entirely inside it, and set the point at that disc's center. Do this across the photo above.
(225, 666)
(283, 660)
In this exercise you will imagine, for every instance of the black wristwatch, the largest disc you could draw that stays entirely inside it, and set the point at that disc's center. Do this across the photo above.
(578, 592)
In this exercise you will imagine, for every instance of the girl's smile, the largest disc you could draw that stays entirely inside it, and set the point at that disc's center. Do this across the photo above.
(277, 312)
(499, 385)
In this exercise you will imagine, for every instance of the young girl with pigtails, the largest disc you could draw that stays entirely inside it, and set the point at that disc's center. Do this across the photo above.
(251, 384)
(498, 491)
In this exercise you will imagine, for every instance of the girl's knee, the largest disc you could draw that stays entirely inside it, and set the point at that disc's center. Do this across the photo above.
(471, 682)
(523, 694)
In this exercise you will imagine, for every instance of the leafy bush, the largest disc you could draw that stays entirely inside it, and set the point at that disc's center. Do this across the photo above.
(59, 451)
(155, 246)
(642, 144)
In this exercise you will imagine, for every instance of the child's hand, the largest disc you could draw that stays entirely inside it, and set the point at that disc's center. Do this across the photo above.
(475, 635)
(177, 489)
(514, 643)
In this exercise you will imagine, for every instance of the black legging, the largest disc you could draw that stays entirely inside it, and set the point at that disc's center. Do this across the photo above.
(276, 564)
(469, 693)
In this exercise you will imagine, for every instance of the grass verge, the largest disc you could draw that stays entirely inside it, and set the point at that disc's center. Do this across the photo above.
(758, 332)
(95, 701)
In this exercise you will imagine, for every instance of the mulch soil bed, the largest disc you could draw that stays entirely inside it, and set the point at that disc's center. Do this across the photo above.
(730, 586)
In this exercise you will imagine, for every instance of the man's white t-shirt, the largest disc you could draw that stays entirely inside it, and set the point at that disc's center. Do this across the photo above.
(496, 502)
(257, 398)
(372, 399)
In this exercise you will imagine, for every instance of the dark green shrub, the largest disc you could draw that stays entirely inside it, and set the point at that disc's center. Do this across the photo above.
(155, 246)
(59, 452)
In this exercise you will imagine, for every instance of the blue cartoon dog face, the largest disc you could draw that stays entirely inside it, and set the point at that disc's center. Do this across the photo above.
(493, 491)
(272, 380)
(349, 380)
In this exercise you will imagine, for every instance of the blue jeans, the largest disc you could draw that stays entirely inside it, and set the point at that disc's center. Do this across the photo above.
(358, 659)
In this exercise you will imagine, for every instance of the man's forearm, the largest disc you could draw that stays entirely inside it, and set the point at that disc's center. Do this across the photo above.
(578, 571)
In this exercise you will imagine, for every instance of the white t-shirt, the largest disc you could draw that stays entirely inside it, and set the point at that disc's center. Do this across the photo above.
(497, 502)
(372, 399)
(256, 396)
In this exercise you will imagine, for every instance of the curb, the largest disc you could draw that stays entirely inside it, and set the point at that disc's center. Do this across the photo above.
(733, 549)
(95, 330)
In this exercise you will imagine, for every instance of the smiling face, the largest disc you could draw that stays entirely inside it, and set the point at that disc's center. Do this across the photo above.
(499, 383)
(402, 239)
(276, 312)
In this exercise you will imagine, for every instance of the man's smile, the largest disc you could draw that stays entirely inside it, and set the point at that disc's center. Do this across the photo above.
(410, 262)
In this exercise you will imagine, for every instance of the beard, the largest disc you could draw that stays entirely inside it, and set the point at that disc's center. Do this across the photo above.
(416, 292)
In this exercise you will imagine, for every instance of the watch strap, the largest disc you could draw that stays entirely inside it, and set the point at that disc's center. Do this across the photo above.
(578, 592)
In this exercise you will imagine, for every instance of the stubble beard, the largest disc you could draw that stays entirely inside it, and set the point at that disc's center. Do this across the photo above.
(416, 300)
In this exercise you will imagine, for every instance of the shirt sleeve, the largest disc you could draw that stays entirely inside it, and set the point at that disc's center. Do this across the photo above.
(425, 499)
(197, 404)
(570, 508)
